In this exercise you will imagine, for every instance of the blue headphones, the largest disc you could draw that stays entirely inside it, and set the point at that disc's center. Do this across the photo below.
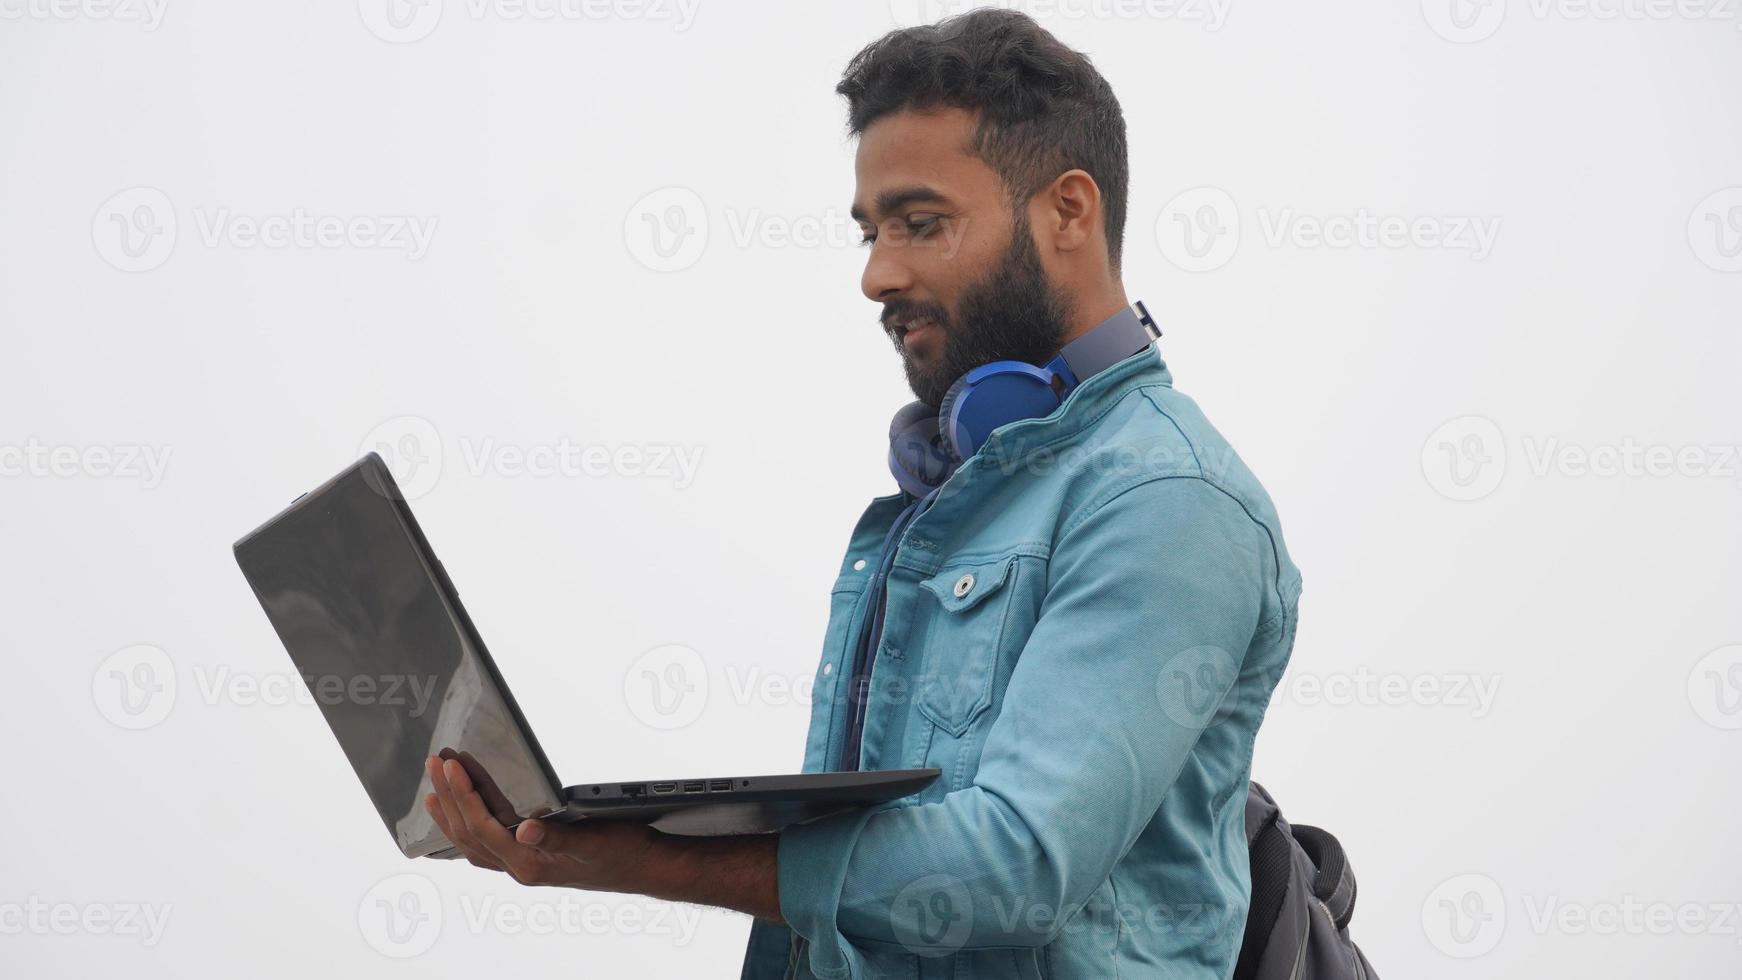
(926, 446)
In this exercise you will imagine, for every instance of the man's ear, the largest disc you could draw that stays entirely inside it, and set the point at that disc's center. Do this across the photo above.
(1066, 215)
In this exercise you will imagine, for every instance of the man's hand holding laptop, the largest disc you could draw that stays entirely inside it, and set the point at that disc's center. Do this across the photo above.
(600, 855)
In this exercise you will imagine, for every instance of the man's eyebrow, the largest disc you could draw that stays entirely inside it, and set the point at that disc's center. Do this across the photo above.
(897, 197)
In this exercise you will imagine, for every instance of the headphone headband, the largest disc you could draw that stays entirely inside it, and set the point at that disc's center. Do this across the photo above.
(925, 445)
(1116, 338)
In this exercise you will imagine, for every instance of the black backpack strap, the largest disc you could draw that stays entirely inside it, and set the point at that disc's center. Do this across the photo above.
(1334, 884)
(1271, 855)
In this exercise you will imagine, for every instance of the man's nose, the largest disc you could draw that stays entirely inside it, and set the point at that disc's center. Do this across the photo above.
(886, 276)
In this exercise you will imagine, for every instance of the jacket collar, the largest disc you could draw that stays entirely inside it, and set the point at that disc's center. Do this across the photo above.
(1081, 408)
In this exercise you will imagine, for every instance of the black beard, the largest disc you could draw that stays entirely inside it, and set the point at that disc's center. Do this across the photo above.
(1014, 314)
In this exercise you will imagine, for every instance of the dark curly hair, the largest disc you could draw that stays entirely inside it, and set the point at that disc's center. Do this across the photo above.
(1042, 108)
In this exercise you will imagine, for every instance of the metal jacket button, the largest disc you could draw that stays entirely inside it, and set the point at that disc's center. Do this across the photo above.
(964, 585)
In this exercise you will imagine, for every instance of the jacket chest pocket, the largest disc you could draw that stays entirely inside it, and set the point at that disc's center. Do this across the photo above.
(963, 637)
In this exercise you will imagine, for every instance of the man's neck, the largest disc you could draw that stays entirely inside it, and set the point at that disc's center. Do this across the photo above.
(1093, 310)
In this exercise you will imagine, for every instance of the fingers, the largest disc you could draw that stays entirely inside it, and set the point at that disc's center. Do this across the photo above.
(445, 810)
(482, 827)
(494, 798)
(432, 805)
(469, 817)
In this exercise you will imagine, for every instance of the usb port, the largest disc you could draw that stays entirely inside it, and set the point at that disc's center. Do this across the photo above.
(695, 787)
(719, 785)
(665, 787)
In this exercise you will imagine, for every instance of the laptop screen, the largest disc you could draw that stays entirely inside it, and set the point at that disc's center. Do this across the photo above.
(389, 655)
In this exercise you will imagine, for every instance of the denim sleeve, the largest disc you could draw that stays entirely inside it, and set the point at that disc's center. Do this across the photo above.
(1088, 740)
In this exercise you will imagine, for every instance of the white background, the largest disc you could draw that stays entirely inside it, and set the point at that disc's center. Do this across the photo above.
(1370, 386)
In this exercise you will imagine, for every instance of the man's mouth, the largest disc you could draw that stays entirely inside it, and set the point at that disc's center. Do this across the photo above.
(907, 331)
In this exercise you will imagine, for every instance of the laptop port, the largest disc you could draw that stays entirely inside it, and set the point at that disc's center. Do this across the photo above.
(665, 787)
(634, 789)
(695, 787)
(719, 785)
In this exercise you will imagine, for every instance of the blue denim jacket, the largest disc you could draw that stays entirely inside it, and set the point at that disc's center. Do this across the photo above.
(1083, 633)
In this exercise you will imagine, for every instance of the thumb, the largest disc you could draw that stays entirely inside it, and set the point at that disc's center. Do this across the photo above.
(537, 833)
(548, 835)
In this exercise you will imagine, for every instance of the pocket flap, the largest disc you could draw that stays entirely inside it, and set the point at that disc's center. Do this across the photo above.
(961, 587)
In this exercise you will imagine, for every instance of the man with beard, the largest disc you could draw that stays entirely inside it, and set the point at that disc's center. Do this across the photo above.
(1078, 614)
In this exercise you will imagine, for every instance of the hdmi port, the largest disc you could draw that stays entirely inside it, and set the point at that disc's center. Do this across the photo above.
(665, 787)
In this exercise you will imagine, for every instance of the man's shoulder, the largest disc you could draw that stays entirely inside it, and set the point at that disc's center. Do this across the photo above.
(1153, 432)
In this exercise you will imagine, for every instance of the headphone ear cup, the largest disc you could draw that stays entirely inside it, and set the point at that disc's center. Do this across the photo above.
(917, 458)
(946, 412)
(990, 396)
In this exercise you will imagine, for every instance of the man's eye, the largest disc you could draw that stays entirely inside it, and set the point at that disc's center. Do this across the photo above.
(912, 229)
